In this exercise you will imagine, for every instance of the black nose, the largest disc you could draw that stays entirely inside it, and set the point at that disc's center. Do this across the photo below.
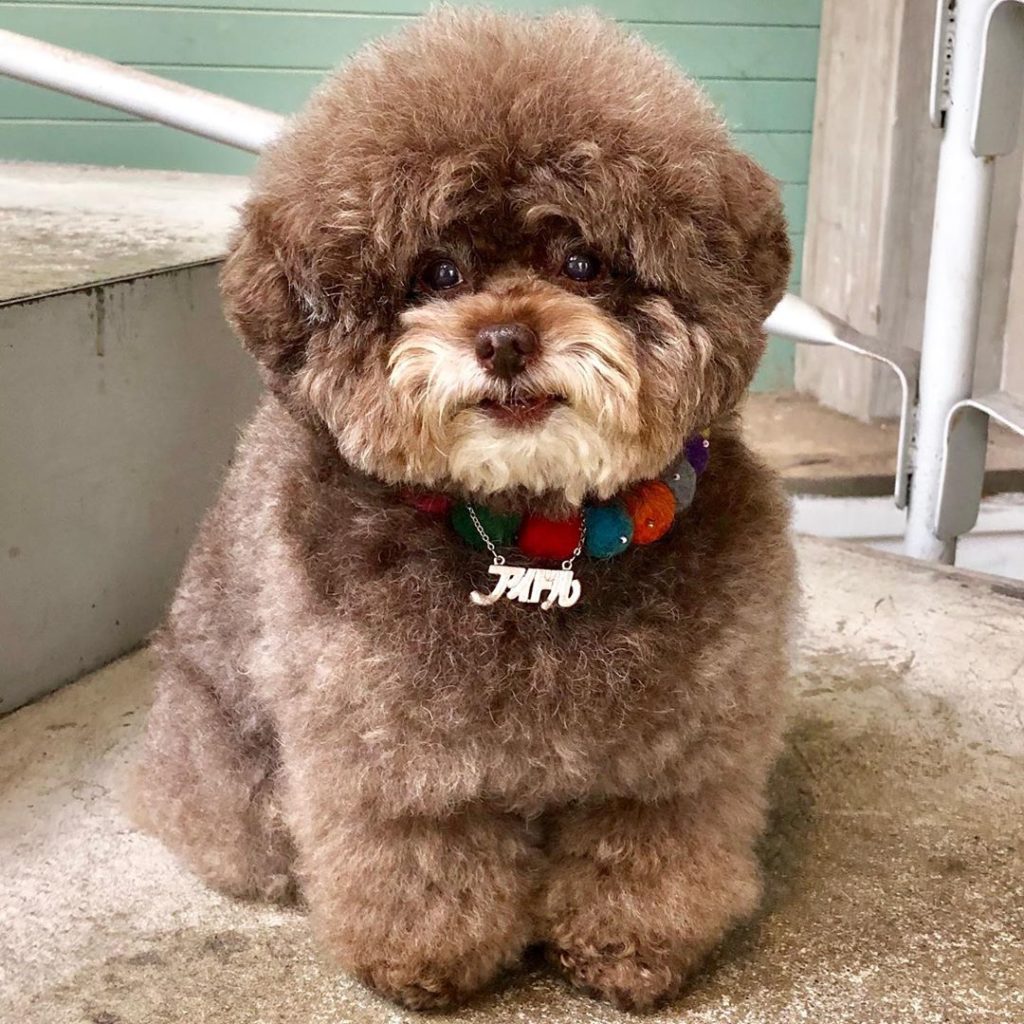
(505, 349)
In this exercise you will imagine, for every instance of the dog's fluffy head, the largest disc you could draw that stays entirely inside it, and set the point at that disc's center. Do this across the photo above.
(552, 177)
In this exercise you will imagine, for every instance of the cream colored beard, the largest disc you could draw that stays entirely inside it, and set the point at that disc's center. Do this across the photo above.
(564, 453)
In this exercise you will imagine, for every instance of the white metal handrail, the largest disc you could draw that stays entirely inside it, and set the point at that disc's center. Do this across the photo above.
(800, 321)
(136, 92)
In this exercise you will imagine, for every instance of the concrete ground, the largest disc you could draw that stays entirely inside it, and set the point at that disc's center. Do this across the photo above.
(895, 857)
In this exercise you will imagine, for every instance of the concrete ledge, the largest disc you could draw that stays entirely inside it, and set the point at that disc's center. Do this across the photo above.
(119, 407)
(66, 226)
(894, 862)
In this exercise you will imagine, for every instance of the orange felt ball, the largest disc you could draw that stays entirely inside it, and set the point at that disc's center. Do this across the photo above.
(550, 539)
(652, 507)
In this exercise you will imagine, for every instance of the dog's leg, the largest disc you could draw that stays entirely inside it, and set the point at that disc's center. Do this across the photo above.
(424, 911)
(639, 893)
(206, 786)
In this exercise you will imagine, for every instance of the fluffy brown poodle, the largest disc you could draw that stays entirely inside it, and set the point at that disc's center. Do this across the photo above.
(510, 263)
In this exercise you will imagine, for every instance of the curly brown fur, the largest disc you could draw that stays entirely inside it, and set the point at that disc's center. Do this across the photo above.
(447, 783)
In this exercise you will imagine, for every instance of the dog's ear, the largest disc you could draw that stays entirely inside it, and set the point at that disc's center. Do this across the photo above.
(755, 207)
(271, 297)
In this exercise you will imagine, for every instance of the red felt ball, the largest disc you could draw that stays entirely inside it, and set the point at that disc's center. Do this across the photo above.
(427, 503)
(551, 539)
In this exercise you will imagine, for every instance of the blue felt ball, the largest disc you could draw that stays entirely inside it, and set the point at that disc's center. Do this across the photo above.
(682, 479)
(609, 530)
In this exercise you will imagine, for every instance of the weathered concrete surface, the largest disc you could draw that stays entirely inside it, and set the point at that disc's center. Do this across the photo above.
(895, 860)
(65, 225)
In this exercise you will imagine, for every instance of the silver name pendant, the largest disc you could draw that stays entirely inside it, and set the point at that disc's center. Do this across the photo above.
(528, 586)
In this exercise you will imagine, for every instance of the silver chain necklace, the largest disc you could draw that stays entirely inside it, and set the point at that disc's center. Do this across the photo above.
(528, 585)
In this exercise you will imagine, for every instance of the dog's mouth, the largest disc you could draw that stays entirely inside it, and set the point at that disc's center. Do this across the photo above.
(521, 410)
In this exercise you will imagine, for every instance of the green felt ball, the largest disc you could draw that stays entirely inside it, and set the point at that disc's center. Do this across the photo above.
(502, 529)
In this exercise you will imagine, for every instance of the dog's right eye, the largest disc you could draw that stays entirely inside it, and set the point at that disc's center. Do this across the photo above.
(441, 275)
(581, 266)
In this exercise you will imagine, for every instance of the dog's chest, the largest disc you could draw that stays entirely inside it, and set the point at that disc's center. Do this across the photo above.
(432, 699)
(512, 708)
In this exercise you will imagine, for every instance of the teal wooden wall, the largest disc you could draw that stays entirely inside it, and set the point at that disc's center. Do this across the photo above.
(757, 58)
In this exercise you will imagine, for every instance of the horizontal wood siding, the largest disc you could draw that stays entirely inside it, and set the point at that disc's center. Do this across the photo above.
(756, 58)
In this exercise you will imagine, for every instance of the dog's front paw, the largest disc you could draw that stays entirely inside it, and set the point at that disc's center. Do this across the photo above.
(431, 968)
(425, 984)
(426, 912)
(441, 983)
(624, 974)
(638, 894)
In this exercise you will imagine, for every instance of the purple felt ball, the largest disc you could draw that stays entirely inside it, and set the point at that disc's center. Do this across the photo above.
(697, 451)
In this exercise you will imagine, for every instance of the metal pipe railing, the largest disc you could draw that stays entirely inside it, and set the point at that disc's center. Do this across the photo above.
(798, 320)
(135, 92)
(963, 201)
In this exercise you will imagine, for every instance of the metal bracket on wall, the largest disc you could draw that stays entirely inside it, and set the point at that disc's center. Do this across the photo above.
(1001, 82)
(800, 321)
(963, 457)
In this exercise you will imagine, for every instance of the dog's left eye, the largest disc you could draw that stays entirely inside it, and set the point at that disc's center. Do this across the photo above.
(441, 275)
(581, 266)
